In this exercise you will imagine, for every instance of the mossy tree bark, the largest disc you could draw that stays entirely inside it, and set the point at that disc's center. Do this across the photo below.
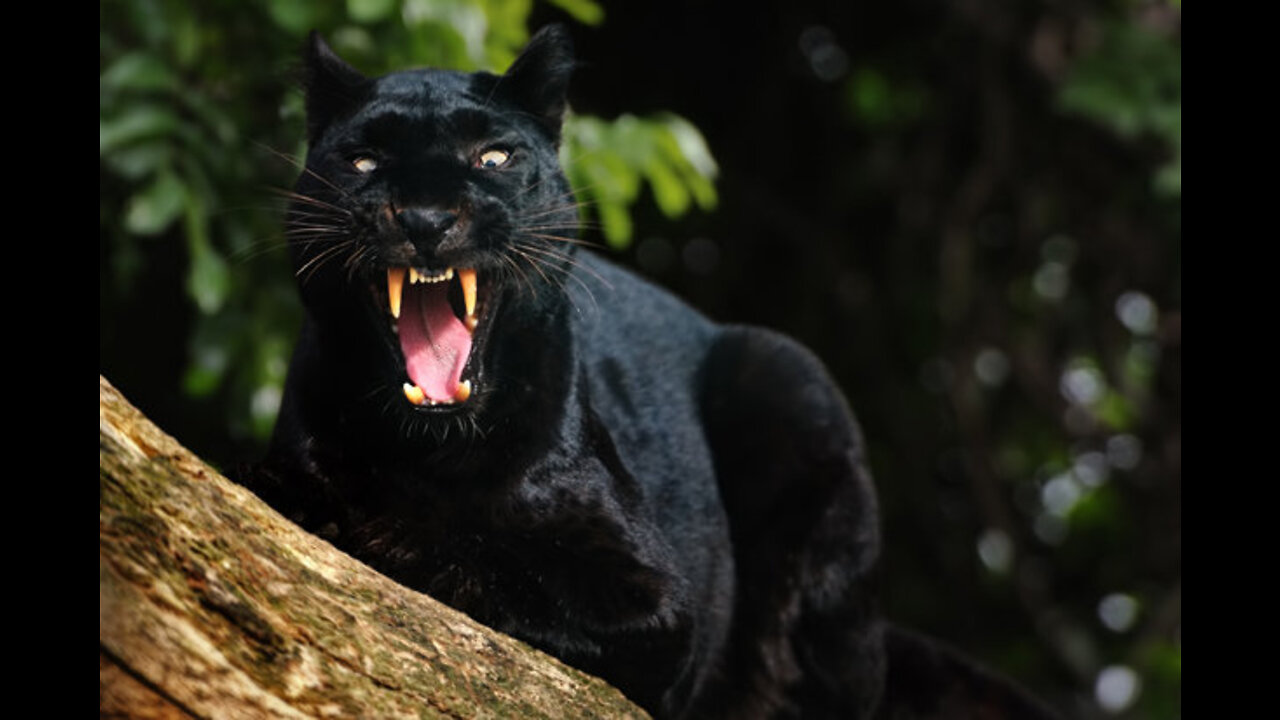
(212, 605)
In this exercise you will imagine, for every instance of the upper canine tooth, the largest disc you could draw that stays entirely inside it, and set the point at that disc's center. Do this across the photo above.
(467, 277)
(395, 288)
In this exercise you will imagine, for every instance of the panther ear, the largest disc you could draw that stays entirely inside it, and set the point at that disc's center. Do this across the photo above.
(333, 87)
(539, 79)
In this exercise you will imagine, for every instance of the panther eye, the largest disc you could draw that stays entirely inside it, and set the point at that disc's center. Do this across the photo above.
(364, 164)
(491, 159)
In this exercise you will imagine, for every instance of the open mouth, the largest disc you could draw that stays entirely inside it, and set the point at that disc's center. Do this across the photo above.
(434, 315)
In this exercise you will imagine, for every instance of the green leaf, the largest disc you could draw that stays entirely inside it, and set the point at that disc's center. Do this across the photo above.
(1168, 181)
(295, 16)
(1132, 83)
(668, 192)
(138, 161)
(137, 123)
(608, 163)
(1115, 410)
(210, 358)
(587, 12)
(464, 20)
(692, 145)
(200, 381)
(151, 210)
(876, 100)
(137, 71)
(869, 96)
(370, 11)
(615, 221)
(208, 277)
(208, 280)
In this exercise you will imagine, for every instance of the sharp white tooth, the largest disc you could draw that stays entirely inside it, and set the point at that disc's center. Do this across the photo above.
(414, 394)
(413, 276)
(395, 289)
(463, 392)
(467, 277)
(448, 274)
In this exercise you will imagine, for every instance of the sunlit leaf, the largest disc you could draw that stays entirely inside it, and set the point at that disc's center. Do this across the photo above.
(668, 192)
(692, 145)
(138, 161)
(615, 221)
(151, 210)
(137, 71)
(369, 11)
(295, 16)
(507, 33)
(208, 277)
(465, 19)
(136, 123)
(609, 162)
(584, 11)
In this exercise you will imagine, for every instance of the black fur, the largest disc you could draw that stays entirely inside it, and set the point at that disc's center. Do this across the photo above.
(677, 506)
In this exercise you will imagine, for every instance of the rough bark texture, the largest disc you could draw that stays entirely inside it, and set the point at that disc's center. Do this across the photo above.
(211, 605)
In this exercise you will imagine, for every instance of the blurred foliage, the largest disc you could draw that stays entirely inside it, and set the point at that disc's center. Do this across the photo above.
(199, 116)
(606, 162)
(876, 101)
(1132, 81)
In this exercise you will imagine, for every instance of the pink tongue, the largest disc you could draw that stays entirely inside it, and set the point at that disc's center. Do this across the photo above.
(435, 343)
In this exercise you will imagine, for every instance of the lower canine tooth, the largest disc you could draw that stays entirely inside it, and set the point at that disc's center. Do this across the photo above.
(463, 392)
(414, 394)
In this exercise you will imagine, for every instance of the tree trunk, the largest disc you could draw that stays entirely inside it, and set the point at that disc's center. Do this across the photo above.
(212, 605)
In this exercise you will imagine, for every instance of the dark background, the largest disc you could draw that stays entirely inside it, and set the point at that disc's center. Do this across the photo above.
(971, 211)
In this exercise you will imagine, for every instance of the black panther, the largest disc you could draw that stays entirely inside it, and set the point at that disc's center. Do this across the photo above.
(486, 412)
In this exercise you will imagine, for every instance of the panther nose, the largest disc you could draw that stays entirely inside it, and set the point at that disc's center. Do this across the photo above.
(425, 225)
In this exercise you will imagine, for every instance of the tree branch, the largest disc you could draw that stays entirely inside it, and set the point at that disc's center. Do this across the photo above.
(213, 605)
